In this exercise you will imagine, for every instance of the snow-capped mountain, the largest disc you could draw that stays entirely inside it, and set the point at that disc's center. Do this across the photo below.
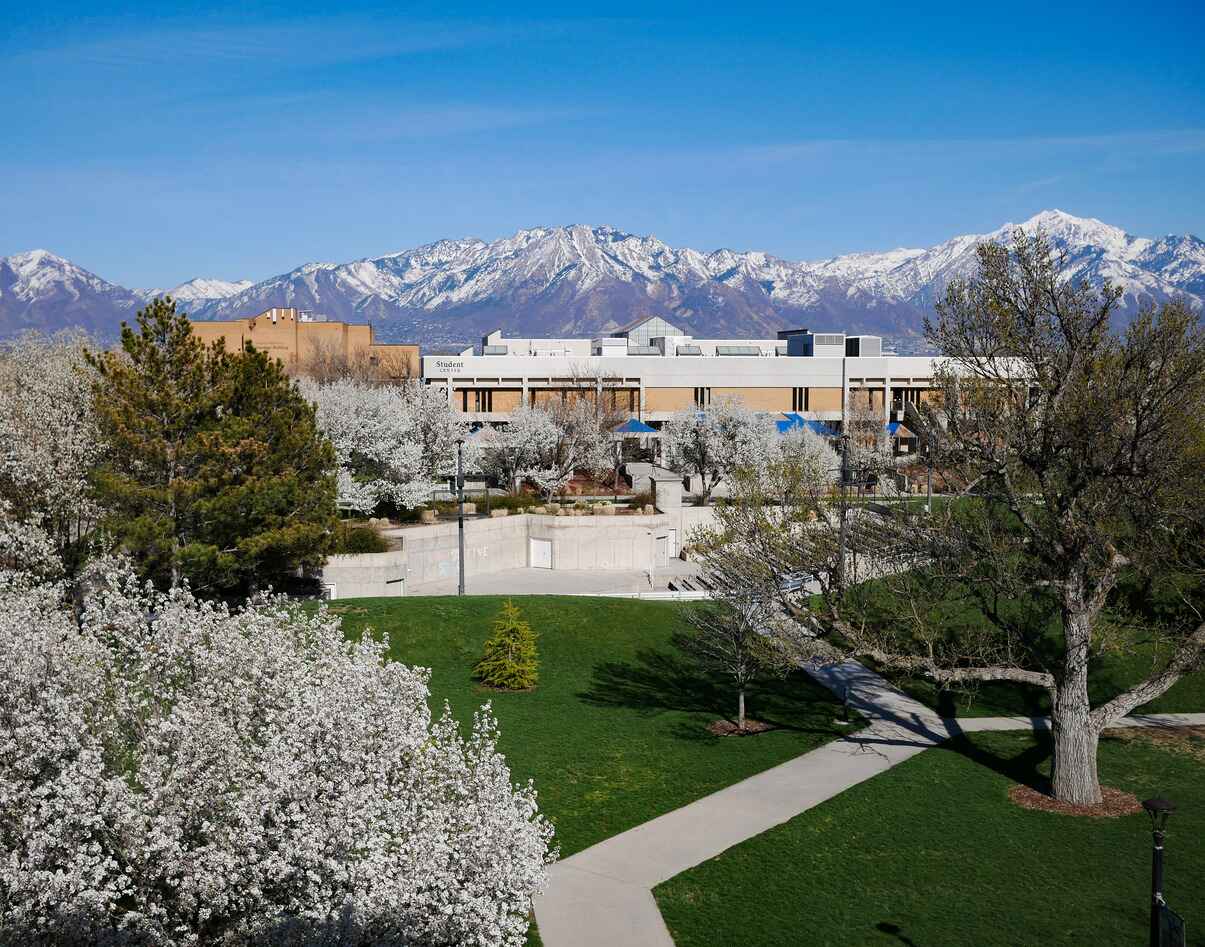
(583, 280)
(199, 290)
(39, 290)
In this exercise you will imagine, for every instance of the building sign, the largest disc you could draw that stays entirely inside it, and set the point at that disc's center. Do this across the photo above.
(437, 367)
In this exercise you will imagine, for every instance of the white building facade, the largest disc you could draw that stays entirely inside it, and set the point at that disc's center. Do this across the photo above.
(651, 369)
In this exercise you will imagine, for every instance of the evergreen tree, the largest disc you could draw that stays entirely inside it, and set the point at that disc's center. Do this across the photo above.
(510, 659)
(213, 469)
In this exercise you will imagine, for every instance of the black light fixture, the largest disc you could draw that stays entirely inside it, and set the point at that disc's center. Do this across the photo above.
(1159, 809)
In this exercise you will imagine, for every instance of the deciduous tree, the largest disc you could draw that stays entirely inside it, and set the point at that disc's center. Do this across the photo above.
(1085, 451)
(178, 773)
(714, 442)
(395, 443)
(48, 444)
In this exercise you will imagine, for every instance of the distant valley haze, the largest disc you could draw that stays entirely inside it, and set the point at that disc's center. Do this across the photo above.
(586, 280)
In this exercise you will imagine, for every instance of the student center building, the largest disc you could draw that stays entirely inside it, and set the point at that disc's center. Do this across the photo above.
(647, 370)
(650, 369)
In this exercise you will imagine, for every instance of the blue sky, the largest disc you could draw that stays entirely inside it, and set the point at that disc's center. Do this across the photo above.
(152, 143)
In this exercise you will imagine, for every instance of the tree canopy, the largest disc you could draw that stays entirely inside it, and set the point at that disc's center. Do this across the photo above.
(1082, 453)
(213, 468)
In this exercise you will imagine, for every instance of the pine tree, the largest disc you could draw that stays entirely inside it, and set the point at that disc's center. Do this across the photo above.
(214, 469)
(510, 660)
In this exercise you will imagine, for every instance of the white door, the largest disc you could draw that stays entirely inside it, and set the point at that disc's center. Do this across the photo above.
(540, 553)
(662, 550)
(673, 544)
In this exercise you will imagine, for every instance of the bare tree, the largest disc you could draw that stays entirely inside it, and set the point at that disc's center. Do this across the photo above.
(742, 633)
(328, 360)
(1086, 451)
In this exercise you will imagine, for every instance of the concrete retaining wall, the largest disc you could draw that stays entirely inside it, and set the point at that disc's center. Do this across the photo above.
(621, 543)
(368, 575)
(579, 543)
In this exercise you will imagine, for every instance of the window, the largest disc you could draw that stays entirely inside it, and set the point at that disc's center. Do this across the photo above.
(799, 399)
(476, 399)
(702, 397)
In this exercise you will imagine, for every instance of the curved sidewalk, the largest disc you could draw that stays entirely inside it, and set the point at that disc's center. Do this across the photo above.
(602, 896)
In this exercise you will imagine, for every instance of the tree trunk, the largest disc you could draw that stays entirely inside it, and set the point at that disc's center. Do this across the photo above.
(1075, 745)
(740, 714)
(1075, 734)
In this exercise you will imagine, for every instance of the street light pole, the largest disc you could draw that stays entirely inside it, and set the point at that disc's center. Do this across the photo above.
(844, 511)
(460, 513)
(1159, 809)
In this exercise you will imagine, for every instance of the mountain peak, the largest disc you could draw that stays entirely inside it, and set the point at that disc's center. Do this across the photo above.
(580, 279)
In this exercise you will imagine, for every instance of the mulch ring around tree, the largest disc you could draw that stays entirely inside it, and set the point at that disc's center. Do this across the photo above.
(727, 728)
(1114, 803)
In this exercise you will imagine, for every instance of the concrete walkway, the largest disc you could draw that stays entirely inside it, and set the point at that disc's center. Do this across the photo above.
(602, 897)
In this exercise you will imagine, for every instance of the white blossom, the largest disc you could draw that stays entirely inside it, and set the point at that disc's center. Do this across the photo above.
(394, 443)
(714, 442)
(512, 452)
(174, 773)
(48, 444)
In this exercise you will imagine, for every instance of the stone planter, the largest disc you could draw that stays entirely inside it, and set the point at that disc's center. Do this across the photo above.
(470, 508)
(494, 514)
(427, 516)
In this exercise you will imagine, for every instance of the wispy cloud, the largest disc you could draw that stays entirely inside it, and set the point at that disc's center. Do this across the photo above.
(296, 43)
(1158, 142)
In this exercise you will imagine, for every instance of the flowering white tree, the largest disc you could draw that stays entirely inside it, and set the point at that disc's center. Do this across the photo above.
(582, 441)
(509, 454)
(48, 444)
(871, 455)
(812, 453)
(395, 443)
(174, 773)
(714, 442)
(548, 446)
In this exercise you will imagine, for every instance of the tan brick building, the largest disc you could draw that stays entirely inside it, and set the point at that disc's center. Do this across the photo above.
(299, 340)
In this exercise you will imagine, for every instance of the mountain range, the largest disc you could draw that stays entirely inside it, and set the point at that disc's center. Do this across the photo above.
(581, 280)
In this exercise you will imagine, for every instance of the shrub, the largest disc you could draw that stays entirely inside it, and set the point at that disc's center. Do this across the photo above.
(638, 501)
(510, 660)
(352, 539)
(176, 773)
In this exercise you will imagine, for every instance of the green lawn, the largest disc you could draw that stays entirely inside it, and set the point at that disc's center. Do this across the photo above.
(615, 733)
(933, 853)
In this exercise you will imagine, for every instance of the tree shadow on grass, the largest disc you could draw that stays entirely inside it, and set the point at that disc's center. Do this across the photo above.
(1023, 768)
(660, 681)
(894, 930)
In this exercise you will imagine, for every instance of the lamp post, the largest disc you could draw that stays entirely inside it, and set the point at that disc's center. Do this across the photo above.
(460, 504)
(1158, 809)
(845, 478)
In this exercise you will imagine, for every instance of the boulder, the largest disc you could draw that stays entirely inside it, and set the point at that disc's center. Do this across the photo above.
(426, 516)
(470, 508)
(494, 514)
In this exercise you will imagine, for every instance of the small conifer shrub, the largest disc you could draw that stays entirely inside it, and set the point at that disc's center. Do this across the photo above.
(510, 661)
